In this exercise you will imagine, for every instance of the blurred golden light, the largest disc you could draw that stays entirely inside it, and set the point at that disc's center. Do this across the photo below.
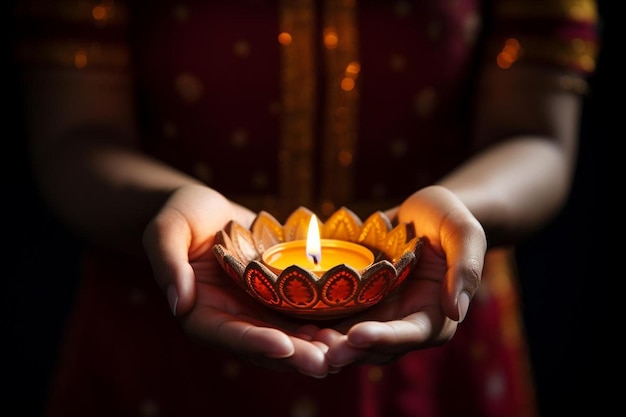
(345, 158)
(331, 39)
(509, 54)
(347, 84)
(284, 38)
(99, 13)
(80, 59)
(353, 67)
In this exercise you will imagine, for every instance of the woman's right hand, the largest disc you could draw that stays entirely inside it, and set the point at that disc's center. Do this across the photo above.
(209, 305)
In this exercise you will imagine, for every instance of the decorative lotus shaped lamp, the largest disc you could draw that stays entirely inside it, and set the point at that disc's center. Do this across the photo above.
(307, 269)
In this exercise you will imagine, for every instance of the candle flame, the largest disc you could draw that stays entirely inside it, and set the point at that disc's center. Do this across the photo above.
(313, 243)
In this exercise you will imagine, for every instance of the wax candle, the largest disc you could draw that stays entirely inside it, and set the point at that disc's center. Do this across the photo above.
(317, 255)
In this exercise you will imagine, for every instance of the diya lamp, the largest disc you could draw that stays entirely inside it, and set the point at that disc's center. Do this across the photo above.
(314, 270)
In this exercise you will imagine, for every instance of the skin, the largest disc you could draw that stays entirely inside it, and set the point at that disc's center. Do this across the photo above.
(85, 159)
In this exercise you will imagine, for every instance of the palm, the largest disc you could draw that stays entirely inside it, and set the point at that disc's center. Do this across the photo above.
(225, 315)
(409, 319)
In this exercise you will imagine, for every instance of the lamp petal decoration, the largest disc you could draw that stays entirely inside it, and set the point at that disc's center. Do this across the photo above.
(298, 291)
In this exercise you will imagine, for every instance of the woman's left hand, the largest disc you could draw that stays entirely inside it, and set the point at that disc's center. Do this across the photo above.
(427, 309)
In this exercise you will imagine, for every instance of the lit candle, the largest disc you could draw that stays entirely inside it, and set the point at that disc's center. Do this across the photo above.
(317, 255)
(313, 242)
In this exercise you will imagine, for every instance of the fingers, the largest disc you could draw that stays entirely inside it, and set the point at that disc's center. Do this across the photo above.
(377, 342)
(341, 354)
(308, 358)
(165, 241)
(456, 236)
(182, 232)
(465, 245)
(263, 346)
(268, 342)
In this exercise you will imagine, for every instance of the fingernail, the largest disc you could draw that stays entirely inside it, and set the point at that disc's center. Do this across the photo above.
(464, 301)
(172, 298)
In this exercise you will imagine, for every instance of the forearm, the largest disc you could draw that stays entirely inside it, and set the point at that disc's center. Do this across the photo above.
(82, 137)
(526, 128)
(514, 187)
(104, 192)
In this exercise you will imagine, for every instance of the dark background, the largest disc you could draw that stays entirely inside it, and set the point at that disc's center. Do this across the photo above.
(569, 286)
(569, 270)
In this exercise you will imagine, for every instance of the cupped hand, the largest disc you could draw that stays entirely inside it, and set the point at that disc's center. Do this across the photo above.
(429, 306)
(209, 305)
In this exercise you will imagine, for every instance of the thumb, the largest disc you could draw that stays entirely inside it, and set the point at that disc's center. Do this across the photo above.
(462, 281)
(166, 242)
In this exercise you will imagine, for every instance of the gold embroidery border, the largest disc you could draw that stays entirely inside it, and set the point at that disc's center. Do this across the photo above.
(574, 54)
(299, 106)
(298, 86)
(578, 10)
(341, 107)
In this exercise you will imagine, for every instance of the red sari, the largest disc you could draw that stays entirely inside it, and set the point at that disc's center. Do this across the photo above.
(363, 103)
